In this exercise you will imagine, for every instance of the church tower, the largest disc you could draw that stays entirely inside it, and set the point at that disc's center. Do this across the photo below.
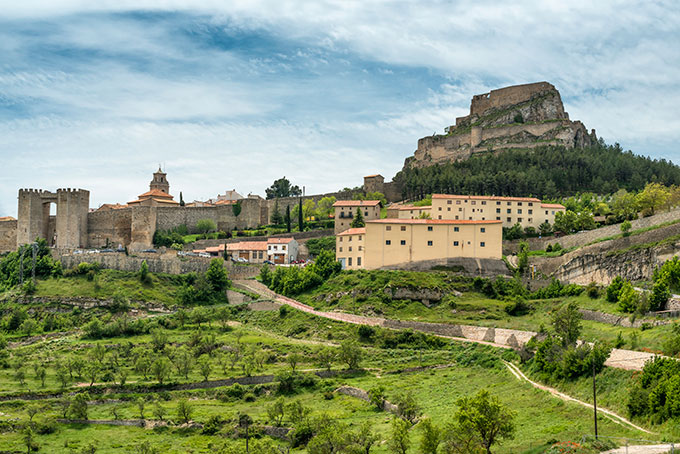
(160, 182)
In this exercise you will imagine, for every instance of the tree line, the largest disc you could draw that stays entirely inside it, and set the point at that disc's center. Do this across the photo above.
(546, 172)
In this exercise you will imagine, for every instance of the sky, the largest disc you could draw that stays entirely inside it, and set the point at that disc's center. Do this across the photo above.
(235, 94)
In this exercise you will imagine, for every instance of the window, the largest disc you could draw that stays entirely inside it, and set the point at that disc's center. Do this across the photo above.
(529, 219)
(519, 211)
(440, 208)
(483, 202)
(448, 209)
(438, 217)
(482, 244)
(349, 261)
(358, 261)
(340, 238)
(553, 212)
(531, 204)
(546, 211)
(531, 211)
(283, 248)
(365, 213)
(388, 228)
(456, 217)
(261, 254)
(360, 248)
(483, 230)
(519, 204)
(455, 243)
(457, 202)
(509, 203)
(456, 229)
(403, 228)
(498, 218)
(448, 202)
(349, 249)
(360, 237)
(509, 219)
(429, 243)
(349, 239)
(403, 242)
(473, 202)
(460, 209)
(509, 211)
(498, 210)
(388, 242)
(340, 249)
(519, 219)
(498, 203)
(429, 227)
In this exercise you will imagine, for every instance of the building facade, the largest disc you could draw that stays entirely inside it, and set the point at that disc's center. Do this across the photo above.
(389, 242)
(282, 250)
(346, 209)
(525, 211)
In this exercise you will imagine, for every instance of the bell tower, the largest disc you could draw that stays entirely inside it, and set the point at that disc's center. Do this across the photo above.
(160, 181)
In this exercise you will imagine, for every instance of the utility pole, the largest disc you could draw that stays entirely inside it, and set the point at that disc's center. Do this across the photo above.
(594, 399)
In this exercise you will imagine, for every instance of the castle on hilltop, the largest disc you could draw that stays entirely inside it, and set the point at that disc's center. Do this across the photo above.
(520, 116)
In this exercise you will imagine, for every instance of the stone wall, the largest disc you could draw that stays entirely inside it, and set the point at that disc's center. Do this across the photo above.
(8, 235)
(299, 236)
(507, 96)
(158, 263)
(471, 266)
(250, 216)
(112, 225)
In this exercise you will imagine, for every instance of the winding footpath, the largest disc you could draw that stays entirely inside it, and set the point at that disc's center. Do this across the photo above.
(497, 337)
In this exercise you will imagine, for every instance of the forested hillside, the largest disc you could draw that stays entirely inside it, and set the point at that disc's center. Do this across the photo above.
(545, 172)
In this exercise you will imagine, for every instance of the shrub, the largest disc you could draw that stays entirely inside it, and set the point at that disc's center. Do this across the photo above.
(518, 307)
(592, 290)
(366, 333)
(614, 289)
(629, 298)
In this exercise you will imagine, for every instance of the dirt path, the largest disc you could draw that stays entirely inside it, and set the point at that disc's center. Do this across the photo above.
(647, 449)
(608, 413)
(497, 337)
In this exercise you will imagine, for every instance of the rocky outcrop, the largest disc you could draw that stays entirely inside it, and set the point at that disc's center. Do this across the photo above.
(521, 116)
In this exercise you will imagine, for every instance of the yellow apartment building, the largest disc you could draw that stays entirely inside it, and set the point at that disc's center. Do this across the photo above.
(346, 209)
(387, 242)
(349, 248)
(525, 211)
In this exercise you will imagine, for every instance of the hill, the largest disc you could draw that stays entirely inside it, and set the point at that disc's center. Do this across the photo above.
(545, 172)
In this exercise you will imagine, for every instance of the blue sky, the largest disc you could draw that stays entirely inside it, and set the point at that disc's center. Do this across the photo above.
(236, 94)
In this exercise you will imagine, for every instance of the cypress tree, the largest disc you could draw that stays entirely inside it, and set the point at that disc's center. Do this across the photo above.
(358, 220)
(288, 218)
(301, 221)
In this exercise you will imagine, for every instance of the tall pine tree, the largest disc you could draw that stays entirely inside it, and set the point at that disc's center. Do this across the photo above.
(301, 220)
(358, 220)
(287, 218)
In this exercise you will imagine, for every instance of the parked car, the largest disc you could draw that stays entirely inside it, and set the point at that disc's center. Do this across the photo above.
(204, 254)
(150, 250)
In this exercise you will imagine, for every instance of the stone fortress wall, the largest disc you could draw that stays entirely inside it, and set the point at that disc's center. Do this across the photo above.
(493, 124)
(75, 226)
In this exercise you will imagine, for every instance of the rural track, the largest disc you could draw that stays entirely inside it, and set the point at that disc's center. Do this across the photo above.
(608, 413)
(619, 358)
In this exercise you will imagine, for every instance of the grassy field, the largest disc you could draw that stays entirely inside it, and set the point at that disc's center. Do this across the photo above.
(540, 418)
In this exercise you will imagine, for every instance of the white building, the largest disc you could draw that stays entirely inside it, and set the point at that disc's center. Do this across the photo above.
(282, 250)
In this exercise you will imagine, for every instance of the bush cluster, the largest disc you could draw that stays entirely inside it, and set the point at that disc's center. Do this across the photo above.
(291, 281)
(657, 394)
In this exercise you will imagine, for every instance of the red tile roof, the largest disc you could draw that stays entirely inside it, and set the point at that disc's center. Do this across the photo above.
(552, 205)
(356, 203)
(374, 175)
(431, 221)
(279, 240)
(354, 231)
(485, 197)
(411, 207)
(7, 218)
(156, 193)
(247, 246)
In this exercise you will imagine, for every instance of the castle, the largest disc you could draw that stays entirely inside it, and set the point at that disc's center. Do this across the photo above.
(133, 225)
(520, 116)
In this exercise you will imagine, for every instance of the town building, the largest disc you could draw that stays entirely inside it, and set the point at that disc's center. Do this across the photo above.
(282, 250)
(345, 210)
(349, 248)
(390, 242)
(525, 211)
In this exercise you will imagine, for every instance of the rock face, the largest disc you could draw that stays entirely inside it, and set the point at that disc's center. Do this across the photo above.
(521, 116)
